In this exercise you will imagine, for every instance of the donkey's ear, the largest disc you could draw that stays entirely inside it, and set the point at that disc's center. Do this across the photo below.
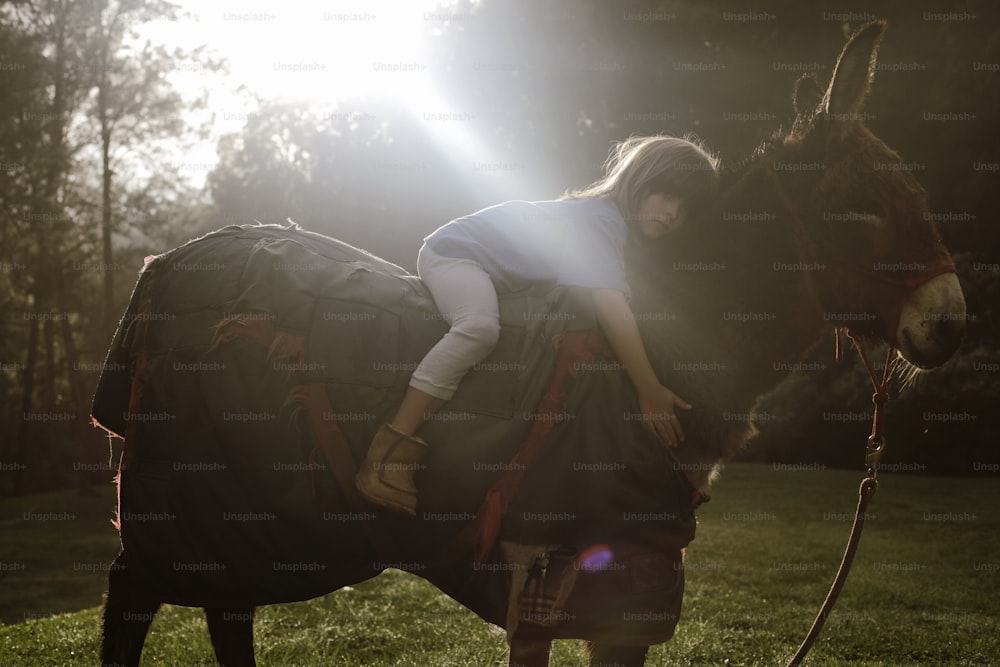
(807, 95)
(852, 77)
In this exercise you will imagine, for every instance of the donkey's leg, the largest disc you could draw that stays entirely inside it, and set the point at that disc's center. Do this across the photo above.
(602, 654)
(128, 611)
(529, 652)
(231, 630)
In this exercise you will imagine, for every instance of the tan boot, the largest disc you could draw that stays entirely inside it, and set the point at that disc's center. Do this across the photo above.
(386, 476)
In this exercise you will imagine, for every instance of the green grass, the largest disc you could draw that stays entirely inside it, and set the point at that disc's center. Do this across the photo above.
(923, 590)
(55, 549)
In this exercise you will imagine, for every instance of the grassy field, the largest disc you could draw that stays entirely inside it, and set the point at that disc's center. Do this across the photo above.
(925, 589)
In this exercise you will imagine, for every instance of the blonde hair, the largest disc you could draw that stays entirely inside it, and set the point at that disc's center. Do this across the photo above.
(658, 164)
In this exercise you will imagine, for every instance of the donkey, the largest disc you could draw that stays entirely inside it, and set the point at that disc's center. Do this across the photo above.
(823, 228)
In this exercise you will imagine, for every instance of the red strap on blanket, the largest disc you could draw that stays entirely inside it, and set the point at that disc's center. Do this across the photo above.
(134, 402)
(574, 347)
(139, 365)
(332, 442)
(244, 325)
(312, 398)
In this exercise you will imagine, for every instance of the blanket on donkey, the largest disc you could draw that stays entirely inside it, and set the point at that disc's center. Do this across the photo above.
(222, 493)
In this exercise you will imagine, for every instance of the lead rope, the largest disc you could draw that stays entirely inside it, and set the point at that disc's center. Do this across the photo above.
(873, 452)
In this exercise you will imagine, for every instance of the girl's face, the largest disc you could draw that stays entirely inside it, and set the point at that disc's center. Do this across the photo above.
(660, 214)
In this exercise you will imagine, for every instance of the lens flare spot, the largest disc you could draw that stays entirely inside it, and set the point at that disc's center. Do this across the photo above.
(596, 557)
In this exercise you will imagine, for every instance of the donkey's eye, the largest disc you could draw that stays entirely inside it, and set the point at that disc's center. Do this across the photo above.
(868, 218)
(863, 217)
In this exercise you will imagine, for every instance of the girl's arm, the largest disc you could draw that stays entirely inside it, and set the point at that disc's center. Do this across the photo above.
(656, 402)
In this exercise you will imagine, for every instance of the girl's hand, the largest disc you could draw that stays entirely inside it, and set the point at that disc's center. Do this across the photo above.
(658, 407)
(656, 402)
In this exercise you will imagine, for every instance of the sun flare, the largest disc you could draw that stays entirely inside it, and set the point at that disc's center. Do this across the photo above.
(324, 55)
(312, 51)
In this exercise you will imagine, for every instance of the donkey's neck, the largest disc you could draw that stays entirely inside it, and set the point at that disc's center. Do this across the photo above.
(740, 309)
(768, 300)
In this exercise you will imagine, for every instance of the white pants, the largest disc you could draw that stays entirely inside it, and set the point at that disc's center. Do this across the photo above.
(467, 299)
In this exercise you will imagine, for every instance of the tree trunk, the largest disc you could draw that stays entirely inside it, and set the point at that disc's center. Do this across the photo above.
(107, 254)
(77, 392)
(22, 447)
(103, 96)
(89, 448)
(51, 394)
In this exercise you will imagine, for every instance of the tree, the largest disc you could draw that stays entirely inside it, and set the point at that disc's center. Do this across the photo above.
(366, 172)
(44, 93)
(75, 90)
(134, 104)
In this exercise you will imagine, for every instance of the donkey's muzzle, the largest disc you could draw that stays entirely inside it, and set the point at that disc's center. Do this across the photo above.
(932, 322)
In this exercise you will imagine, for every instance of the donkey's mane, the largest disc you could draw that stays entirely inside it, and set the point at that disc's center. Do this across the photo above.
(731, 171)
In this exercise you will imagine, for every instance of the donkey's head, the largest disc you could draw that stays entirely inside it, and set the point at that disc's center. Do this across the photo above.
(859, 212)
